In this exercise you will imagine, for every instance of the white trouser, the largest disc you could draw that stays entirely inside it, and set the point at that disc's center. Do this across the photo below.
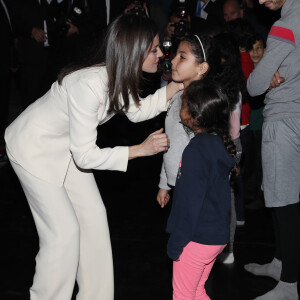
(73, 236)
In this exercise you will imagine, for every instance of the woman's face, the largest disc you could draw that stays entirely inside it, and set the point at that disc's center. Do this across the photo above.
(152, 57)
(185, 67)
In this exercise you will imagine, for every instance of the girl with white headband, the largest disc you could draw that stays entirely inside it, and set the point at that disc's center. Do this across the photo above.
(189, 64)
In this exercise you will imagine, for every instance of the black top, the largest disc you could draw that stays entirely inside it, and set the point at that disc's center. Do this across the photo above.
(201, 204)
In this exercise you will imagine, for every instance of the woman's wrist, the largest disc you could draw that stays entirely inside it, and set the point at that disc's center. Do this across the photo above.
(172, 88)
(156, 142)
(134, 151)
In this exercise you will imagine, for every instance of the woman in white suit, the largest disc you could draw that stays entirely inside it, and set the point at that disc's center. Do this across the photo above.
(52, 148)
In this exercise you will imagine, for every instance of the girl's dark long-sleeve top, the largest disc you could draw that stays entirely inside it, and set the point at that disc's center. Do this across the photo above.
(201, 204)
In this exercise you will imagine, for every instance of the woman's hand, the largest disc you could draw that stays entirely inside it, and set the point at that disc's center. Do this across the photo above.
(172, 88)
(163, 197)
(156, 142)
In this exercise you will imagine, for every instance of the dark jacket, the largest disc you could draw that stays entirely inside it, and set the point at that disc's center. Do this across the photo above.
(201, 204)
(25, 15)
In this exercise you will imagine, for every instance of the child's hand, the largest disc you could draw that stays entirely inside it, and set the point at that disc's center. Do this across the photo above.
(163, 197)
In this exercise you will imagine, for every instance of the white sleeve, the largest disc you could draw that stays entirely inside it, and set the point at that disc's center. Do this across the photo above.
(85, 98)
(149, 107)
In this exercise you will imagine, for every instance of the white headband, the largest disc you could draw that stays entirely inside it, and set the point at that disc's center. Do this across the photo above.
(204, 56)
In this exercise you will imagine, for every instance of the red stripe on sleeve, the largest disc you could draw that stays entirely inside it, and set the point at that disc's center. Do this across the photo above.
(283, 33)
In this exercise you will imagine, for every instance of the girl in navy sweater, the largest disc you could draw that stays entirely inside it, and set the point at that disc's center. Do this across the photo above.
(200, 214)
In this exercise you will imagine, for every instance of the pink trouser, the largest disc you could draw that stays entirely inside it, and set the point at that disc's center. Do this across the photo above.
(192, 270)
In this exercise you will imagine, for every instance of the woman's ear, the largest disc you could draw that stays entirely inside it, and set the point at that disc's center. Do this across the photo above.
(203, 68)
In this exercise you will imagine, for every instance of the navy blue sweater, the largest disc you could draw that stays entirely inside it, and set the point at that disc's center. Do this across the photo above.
(201, 203)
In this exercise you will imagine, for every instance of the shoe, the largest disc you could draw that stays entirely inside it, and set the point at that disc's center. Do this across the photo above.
(226, 258)
(240, 223)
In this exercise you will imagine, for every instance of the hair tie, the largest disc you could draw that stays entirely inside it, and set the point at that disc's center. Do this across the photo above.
(204, 56)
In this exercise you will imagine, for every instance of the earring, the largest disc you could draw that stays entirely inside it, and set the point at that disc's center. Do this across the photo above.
(199, 74)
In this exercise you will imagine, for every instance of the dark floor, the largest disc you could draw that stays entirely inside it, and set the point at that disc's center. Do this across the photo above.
(137, 226)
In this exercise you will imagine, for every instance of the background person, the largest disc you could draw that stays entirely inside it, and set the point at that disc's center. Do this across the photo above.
(238, 9)
(280, 145)
(33, 23)
(253, 192)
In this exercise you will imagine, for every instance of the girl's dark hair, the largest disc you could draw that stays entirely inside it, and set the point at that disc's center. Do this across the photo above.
(257, 37)
(124, 50)
(208, 106)
(226, 69)
(196, 48)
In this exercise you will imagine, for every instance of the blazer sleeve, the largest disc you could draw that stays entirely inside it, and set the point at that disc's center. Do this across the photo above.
(85, 99)
(149, 107)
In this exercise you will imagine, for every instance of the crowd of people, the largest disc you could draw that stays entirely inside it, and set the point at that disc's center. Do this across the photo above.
(229, 83)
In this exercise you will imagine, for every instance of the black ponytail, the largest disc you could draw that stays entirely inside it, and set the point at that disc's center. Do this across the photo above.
(209, 107)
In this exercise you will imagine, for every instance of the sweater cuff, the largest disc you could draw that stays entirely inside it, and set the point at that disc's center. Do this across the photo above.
(175, 246)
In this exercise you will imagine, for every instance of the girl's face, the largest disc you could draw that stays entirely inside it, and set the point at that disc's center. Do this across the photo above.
(187, 119)
(185, 67)
(152, 57)
(257, 52)
(185, 115)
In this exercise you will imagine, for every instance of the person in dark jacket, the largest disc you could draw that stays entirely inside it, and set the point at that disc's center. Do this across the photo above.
(52, 34)
(200, 216)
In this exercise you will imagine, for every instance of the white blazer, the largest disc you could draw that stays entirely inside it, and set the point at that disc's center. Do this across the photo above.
(63, 123)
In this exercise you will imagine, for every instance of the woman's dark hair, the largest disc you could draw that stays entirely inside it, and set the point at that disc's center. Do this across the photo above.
(208, 106)
(226, 69)
(125, 48)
